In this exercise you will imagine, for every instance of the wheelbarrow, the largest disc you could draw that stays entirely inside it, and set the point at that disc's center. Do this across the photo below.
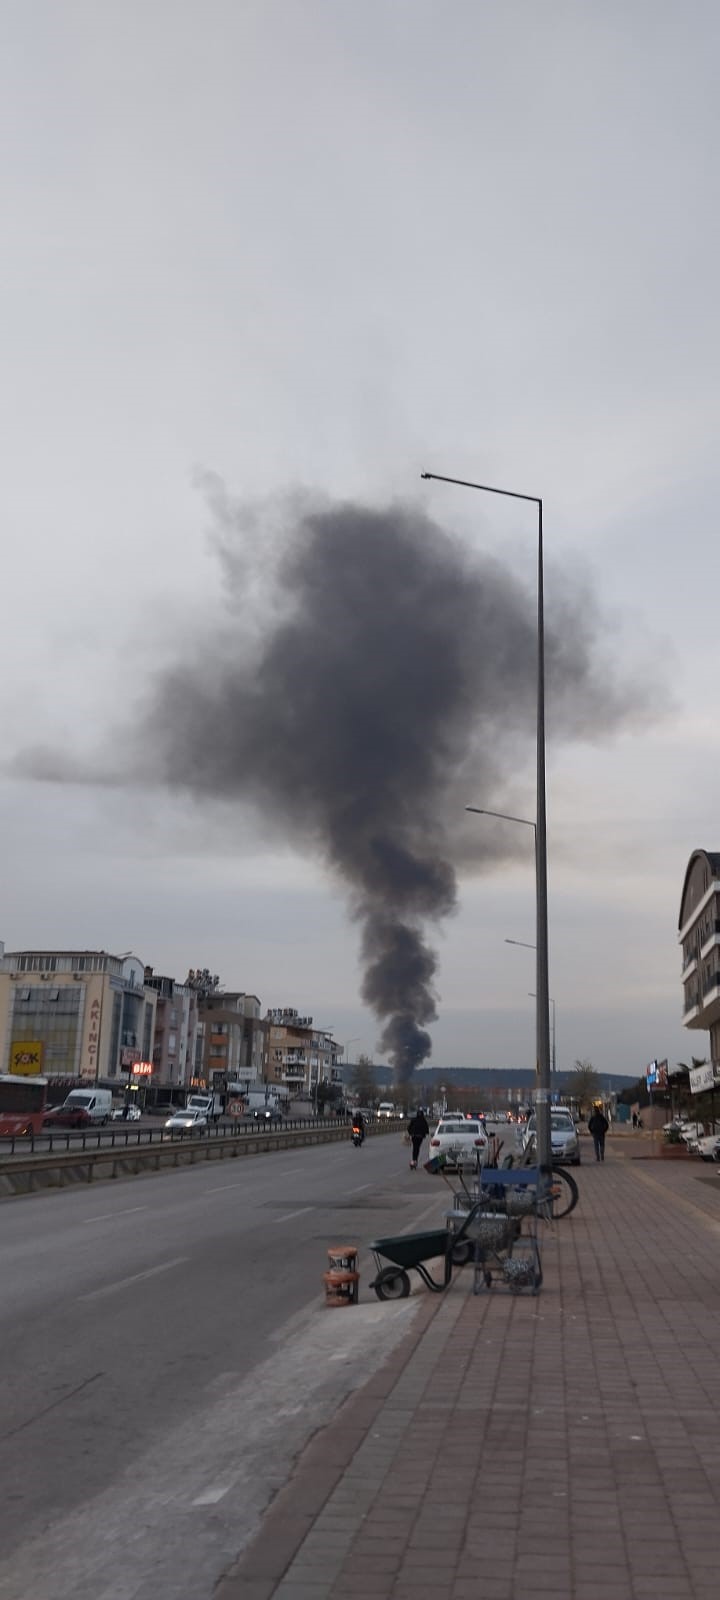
(409, 1252)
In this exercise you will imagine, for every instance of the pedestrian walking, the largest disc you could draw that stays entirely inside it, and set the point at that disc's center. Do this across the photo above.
(634, 1119)
(418, 1130)
(598, 1127)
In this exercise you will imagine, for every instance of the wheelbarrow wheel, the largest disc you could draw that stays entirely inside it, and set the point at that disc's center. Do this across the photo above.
(392, 1284)
(461, 1252)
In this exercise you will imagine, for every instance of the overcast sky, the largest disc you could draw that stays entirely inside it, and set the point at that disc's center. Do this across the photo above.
(306, 243)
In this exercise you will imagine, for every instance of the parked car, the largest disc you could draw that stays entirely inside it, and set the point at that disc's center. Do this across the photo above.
(708, 1146)
(269, 1114)
(127, 1114)
(458, 1141)
(563, 1136)
(185, 1121)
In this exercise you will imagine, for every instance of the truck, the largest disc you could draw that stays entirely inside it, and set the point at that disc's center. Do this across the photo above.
(265, 1099)
(210, 1104)
(81, 1107)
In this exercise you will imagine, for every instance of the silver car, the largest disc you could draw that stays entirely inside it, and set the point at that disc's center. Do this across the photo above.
(563, 1137)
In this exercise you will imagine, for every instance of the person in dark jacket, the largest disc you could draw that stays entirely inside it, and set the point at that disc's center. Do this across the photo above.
(418, 1130)
(598, 1126)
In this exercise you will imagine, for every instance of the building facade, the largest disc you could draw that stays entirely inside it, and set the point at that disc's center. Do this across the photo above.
(699, 938)
(177, 1051)
(234, 1040)
(300, 1055)
(87, 1013)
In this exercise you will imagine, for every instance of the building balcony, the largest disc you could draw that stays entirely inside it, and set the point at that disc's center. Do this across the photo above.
(295, 1074)
(703, 1011)
(711, 940)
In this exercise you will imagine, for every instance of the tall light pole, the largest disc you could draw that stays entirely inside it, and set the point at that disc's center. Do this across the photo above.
(524, 822)
(542, 985)
(553, 1063)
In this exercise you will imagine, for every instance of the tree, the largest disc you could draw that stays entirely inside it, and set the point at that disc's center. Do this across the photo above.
(362, 1080)
(584, 1084)
(327, 1094)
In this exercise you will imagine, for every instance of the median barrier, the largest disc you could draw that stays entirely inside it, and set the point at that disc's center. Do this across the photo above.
(28, 1174)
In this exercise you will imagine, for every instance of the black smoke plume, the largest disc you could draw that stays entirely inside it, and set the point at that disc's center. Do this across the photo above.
(369, 676)
(369, 662)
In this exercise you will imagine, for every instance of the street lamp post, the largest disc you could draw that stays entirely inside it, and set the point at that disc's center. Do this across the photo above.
(542, 985)
(504, 816)
(553, 1063)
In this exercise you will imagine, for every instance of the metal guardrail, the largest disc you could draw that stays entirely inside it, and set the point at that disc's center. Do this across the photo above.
(18, 1175)
(124, 1134)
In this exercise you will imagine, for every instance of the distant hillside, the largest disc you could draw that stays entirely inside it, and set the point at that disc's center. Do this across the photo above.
(513, 1078)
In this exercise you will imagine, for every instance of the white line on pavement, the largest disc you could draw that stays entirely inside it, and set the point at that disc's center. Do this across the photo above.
(109, 1216)
(360, 1188)
(137, 1277)
(210, 1497)
(289, 1214)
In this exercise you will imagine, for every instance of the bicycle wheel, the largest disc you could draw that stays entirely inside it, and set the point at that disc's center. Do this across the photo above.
(564, 1193)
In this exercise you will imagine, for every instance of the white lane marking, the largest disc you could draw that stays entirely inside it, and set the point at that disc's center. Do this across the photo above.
(223, 1186)
(243, 1183)
(210, 1497)
(108, 1216)
(360, 1188)
(137, 1277)
(289, 1214)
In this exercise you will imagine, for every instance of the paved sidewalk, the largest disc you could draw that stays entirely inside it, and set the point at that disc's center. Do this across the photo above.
(567, 1445)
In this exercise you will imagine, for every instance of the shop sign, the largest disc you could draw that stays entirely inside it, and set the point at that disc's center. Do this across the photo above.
(702, 1078)
(94, 1036)
(26, 1058)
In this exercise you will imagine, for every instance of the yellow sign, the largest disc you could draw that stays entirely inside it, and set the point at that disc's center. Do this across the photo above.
(26, 1057)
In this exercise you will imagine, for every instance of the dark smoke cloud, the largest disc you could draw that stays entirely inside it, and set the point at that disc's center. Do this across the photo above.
(368, 663)
(382, 660)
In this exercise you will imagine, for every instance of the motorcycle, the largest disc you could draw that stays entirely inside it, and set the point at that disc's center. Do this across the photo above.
(358, 1135)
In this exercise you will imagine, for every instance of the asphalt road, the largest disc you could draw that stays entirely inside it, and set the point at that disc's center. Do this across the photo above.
(166, 1352)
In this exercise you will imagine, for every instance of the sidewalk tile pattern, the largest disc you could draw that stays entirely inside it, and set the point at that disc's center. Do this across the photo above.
(564, 1445)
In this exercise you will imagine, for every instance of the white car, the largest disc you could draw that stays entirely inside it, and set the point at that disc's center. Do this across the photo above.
(708, 1146)
(127, 1114)
(563, 1136)
(186, 1122)
(458, 1141)
(689, 1131)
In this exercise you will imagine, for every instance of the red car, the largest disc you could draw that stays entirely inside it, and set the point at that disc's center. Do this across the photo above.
(67, 1117)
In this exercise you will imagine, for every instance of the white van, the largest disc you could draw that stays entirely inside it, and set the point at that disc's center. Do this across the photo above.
(386, 1109)
(97, 1103)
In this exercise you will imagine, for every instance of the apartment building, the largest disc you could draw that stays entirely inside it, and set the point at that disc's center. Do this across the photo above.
(234, 1039)
(699, 938)
(179, 1033)
(300, 1055)
(81, 1014)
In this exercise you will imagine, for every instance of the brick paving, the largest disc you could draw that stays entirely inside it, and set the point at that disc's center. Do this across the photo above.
(564, 1445)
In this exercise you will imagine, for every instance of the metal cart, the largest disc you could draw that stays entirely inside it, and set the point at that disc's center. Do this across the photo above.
(503, 1231)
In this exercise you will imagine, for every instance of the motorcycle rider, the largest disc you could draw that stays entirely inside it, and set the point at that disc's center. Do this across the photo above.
(358, 1126)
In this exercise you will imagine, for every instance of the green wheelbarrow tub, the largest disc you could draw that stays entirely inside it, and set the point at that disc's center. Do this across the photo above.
(409, 1249)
